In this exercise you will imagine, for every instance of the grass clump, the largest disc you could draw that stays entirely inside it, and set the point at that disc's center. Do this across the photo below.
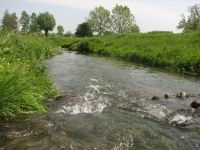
(24, 82)
(160, 49)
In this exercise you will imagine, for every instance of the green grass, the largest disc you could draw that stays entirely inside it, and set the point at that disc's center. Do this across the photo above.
(180, 52)
(24, 82)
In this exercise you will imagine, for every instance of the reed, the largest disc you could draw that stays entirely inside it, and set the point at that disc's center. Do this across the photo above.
(24, 81)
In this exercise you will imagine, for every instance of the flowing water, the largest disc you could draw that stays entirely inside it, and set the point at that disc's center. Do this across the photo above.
(107, 106)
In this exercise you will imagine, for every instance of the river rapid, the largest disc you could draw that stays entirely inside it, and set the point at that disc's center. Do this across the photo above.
(107, 106)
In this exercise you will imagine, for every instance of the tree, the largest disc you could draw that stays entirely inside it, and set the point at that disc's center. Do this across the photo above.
(33, 23)
(122, 20)
(46, 22)
(60, 29)
(10, 21)
(135, 29)
(99, 20)
(68, 34)
(192, 22)
(83, 30)
(25, 22)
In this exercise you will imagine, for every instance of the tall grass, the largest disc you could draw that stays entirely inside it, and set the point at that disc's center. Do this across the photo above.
(24, 82)
(180, 52)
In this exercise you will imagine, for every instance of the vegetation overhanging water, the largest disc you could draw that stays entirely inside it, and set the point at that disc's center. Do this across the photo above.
(24, 82)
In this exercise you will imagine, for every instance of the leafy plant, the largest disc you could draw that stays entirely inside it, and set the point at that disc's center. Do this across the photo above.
(24, 83)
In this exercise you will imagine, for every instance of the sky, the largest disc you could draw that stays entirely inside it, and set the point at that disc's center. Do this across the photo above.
(150, 15)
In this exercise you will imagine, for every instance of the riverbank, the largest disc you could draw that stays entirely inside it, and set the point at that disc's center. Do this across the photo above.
(106, 105)
(24, 82)
(179, 52)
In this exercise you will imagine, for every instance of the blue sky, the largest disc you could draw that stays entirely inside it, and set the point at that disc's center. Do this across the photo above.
(149, 14)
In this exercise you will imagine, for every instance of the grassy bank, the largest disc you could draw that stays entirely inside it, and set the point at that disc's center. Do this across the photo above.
(180, 52)
(24, 82)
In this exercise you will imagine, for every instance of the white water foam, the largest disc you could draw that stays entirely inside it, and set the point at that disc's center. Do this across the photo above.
(95, 88)
(95, 80)
(85, 107)
(93, 101)
(156, 110)
(180, 119)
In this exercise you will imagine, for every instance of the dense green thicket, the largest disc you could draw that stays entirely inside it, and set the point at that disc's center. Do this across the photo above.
(178, 51)
(24, 82)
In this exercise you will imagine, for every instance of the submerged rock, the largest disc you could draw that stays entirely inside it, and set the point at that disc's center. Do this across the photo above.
(195, 105)
(155, 98)
(68, 96)
(182, 94)
(166, 96)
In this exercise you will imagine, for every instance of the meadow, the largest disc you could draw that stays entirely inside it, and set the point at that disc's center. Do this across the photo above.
(179, 52)
(24, 80)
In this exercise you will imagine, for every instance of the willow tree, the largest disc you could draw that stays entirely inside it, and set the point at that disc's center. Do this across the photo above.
(46, 22)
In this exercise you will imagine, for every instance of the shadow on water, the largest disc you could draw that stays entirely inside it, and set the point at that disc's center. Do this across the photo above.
(107, 105)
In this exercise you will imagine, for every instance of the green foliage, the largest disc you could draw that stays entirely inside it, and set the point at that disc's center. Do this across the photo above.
(24, 82)
(9, 21)
(180, 52)
(83, 30)
(135, 29)
(25, 22)
(192, 23)
(46, 22)
(122, 20)
(63, 42)
(33, 23)
(60, 30)
(99, 20)
(68, 34)
(160, 32)
(84, 47)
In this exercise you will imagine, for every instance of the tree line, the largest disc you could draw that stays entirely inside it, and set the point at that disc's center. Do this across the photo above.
(30, 23)
(120, 20)
(100, 21)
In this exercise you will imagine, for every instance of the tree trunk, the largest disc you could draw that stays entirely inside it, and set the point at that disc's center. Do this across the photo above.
(46, 33)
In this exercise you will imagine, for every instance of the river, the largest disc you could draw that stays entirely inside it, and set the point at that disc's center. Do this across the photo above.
(107, 106)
